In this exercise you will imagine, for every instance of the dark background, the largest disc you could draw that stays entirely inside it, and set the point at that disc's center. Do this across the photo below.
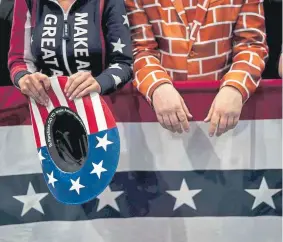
(273, 19)
(273, 15)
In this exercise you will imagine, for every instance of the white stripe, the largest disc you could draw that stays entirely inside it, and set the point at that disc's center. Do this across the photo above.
(198, 229)
(81, 112)
(50, 106)
(58, 91)
(147, 146)
(98, 111)
(39, 124)
(28, 57)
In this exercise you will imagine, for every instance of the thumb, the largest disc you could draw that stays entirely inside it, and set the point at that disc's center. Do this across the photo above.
(186, 110)
(208, 117)
(45, 81)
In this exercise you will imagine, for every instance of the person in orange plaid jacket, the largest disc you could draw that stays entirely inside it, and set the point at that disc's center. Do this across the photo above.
(197, 40)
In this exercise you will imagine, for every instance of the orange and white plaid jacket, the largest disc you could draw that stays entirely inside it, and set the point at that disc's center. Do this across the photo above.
(226, 41)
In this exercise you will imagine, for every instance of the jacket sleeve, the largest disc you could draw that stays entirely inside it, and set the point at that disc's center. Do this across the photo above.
(118, 47)
(250, 50)
(20, 59)
(148, 72)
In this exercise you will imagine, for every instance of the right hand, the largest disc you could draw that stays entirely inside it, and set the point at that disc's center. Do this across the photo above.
(171, 110)
(35, 86)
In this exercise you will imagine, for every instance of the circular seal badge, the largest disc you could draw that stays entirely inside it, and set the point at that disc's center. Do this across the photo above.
(78, 144)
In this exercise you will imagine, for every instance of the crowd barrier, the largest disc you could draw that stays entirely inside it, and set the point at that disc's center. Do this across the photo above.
(181, 187)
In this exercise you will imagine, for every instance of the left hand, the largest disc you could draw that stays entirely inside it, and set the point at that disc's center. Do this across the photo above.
(81, 84)
(225, 111)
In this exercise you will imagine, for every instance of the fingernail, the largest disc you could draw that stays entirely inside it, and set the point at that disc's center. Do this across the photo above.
(67, 94)
(71, 98)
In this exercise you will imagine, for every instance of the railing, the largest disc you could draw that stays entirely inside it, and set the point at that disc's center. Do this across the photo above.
(129, 106)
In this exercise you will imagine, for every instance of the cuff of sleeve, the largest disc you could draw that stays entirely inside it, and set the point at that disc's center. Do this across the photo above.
(107, 83)
(18, 76)
(245, 93)
(154, 87)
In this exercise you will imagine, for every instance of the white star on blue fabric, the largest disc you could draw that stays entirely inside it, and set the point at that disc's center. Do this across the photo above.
(76, 185)
(118, 46)
(98, 169)
(51, 179)
(115, 66)
(31, 200)
(184, 196)
(103, 142)
(41, 157)
(117, 80)
(108, 197)
(263, 194)
(126, 20)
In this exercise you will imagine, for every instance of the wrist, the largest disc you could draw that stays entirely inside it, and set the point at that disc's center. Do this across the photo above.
(235, 90)
(159, 88)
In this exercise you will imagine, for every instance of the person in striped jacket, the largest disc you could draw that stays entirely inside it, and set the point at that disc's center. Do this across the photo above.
(180, 40)
(89, 41)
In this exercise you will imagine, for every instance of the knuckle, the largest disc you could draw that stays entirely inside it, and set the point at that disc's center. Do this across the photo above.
(182, 118)
(40, 88)
(175, 124)
(214, 124)
(24, 89)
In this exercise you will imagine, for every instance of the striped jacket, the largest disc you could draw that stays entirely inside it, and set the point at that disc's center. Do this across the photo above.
(226, 41)
(92, 36)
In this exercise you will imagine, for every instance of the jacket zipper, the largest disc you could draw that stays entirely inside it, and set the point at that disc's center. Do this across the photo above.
(66, 36)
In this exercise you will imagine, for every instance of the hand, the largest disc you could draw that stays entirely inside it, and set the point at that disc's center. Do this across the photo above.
(225, 111)
(280, 66)
(81, 84)
(35, 85)
(171, 110)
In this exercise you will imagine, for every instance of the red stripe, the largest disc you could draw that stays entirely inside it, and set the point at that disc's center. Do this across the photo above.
(110, 121)
(128, 106)
(17, 43)
(53, 98)
(62, 82)
(43, 112)
(90, 114)
(35, 130)
(33, 14)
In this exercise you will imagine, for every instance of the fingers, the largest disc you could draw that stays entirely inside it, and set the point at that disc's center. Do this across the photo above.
(160, 120)
(44, 80)
(34, 86)
(213, 123)
(222, 125)
(81, 88)
(167, 123)
(74, 81)
(71, 79)
(186, 110)
(176, 125)
(43, 97)
(235, 121)
(81, 84)
(94, 87)
(30, 91)
(182, 117)
(208, 117)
